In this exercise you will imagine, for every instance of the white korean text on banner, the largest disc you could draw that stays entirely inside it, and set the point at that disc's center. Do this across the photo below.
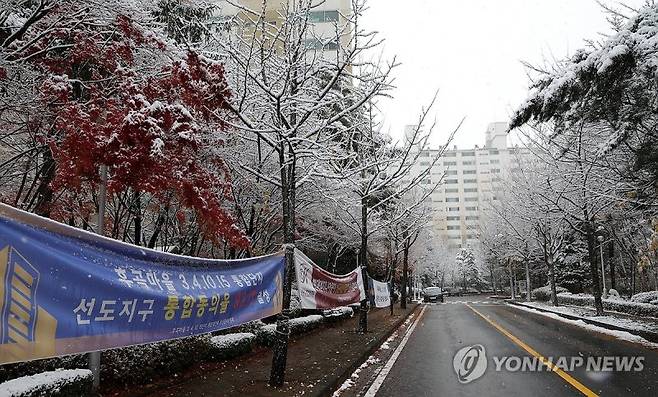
(319, 289)
(380, 294)
(65, 291)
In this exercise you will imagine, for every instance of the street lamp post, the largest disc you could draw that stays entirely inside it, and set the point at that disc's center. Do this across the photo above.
(605, 292)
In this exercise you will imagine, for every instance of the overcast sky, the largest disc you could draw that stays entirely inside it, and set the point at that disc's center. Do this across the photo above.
(471, 51)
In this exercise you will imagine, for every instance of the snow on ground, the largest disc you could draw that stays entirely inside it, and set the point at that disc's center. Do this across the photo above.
(612, 318)
(622, 335)
(351, 381)
(50, 380)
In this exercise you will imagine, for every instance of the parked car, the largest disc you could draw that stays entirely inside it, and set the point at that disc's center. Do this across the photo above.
(452, 292)
(432, 294)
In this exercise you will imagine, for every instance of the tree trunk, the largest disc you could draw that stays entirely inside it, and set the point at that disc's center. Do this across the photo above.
(405, 270)
(611, 262)
(280, 348)
(44, 193)
(511, 279)
(137, 212)
(363, 254)
(593, 266)
(390, 286)
(528, 288)
(550, 264)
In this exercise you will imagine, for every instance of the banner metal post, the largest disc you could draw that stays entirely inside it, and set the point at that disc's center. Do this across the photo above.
(95, 357)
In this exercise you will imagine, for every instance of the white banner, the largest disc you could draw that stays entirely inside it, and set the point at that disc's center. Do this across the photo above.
(381, 296)
(319, 289)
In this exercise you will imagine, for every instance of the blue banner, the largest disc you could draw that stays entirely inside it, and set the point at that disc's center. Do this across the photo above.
(64, 291)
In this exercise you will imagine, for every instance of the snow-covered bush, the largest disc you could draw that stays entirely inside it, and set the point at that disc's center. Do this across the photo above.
(621, 306)
(544, 293)
(265, 335)
(141, 364)
(62, 382)
(16, 370)
(300, 325)
(614, 295)
(645, 297)
(223, 347)
(338, 314)
(250, 327)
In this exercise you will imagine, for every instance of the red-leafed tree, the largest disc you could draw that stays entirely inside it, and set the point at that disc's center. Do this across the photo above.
(110, 91)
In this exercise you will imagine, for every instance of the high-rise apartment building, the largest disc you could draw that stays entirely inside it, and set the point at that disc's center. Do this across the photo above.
(470, 178)
(327, 28)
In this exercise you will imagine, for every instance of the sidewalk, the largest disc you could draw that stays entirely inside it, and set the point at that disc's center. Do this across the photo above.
(318, 362)
(645, 327)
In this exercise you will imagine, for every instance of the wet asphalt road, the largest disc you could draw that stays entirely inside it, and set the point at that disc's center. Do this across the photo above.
(425, 365)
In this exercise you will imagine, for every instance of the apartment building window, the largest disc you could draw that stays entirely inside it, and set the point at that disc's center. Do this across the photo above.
(470, 237)
(454, 227)
(470, 190)
(449, 163)
(424, 163)
(471, 208)
(451, 172)
(455, 238)
(495, 161)
(469, 162)
(495, 170)
(494, 151)
(316, 44)
(469, 172)
(452, 199)
(471, 227)
(424, 154)
(470, 181)
(450, 154)
(322, 16)
(452, 190)
(453, 209)
(452, 181)
(468, 154)
(453, 218)
(470, 199)
(472, 218)
(426, 182)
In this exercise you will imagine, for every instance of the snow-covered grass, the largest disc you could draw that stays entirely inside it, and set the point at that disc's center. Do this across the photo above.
(63, 382)
(622, 335)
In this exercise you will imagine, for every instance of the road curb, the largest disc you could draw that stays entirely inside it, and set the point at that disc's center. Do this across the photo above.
(332, 386)
(648, 335)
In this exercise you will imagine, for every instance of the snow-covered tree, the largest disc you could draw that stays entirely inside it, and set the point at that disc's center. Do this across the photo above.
(468, 269)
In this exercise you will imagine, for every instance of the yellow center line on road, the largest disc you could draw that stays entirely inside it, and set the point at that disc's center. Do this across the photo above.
(567, 378)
